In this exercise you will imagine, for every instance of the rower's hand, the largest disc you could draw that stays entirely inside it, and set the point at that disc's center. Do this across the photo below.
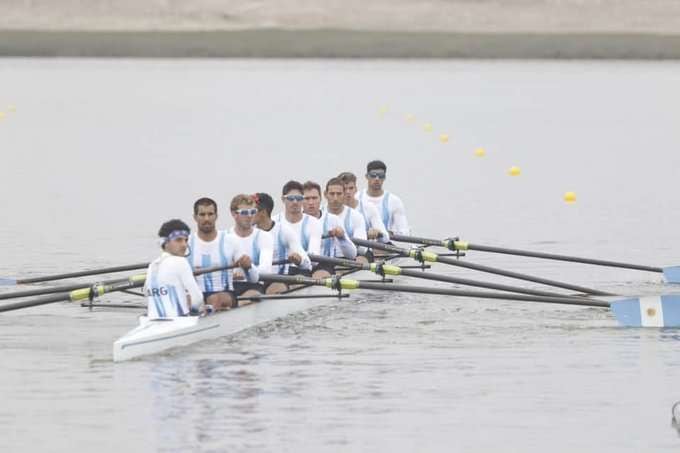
(238, 275)
(374, 233)
(244, 262)
(336, 232)
(295, 258)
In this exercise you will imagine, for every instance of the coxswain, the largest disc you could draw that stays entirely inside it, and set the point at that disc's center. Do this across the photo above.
(209, 247)
(389, 205)
(253, 242)
(170, 287)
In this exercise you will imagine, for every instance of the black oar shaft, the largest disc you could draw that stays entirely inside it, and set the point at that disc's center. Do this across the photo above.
(97, 288)
(460, 245)
(354, 284)
(556, 257)
(440, 277)
(485, 295)
(482, 268)
(52, 290)
(520, 276)
(106, 270)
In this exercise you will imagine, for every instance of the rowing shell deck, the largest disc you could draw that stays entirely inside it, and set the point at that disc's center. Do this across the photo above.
(155, 336)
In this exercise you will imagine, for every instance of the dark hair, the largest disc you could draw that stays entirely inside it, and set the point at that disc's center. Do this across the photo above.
(264, 202)
(205, 201)
(311, 185)
(376, 165)
(172, 225)
(347, 177)
(292, 185)
(334, 182)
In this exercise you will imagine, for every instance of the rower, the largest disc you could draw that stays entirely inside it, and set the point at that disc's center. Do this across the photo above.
(252, 242)
(389, 205)
(335, 242)
(171, 288)
(210, 247)
(305, 227)
(375, 228)
(286, 244)
(351, 220)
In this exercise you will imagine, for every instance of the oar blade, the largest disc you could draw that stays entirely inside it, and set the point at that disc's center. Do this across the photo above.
(672, 274)
(648, 311)
(4, 281)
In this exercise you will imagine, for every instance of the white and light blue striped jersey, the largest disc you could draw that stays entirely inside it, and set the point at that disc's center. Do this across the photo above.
(391, 210)
(221, 251)
(337, 248)
(307, 230)
(372, 219)
(168, 281)
(354, 225)
(287, 242)
(259, 246)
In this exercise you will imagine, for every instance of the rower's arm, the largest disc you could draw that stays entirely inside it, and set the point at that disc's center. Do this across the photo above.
(314, 247)
(360, 229)
(399, 221)
(375, 221)
(190, 285)
(266, 253)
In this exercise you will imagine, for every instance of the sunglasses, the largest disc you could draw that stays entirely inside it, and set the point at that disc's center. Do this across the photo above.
(375, 174)
(294, 197)
(246, 212)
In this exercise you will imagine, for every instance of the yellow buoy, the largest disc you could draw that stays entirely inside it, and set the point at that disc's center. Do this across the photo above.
(570, 197)
(480, 152)
(11, 108)
(383, 110)
(427, 127)
(2, 115)
(444, 138)
(514, 171)
(410, 118)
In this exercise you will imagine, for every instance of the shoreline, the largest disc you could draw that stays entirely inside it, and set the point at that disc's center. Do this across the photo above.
(338, 43)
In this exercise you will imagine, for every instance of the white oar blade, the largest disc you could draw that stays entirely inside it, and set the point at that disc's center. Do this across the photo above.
(7, 281)
(650, 311)
(672, 274)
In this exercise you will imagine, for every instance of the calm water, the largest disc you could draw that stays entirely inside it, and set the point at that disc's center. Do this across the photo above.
(98, 153)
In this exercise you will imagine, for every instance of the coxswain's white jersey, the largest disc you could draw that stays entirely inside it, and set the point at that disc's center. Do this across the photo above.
(221, 251)
(391, 210)
(336, 247)
(308, 230)
(287, 242)
(259, 246)
(169, 280)
(372, 219)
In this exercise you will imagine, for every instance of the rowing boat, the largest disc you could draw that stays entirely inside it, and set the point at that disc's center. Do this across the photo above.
(153, 336)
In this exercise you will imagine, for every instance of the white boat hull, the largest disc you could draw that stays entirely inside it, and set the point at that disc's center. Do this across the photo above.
(155, 336)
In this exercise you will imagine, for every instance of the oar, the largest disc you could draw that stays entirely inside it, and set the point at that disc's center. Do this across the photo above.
(391, 269)
(66, 288)
(96, 290)
(654, 311)
(8, 281)
(423, 255)
(344, 283)
(670, 273)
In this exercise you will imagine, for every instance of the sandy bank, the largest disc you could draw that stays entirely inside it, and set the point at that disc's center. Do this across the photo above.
(624, 29)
